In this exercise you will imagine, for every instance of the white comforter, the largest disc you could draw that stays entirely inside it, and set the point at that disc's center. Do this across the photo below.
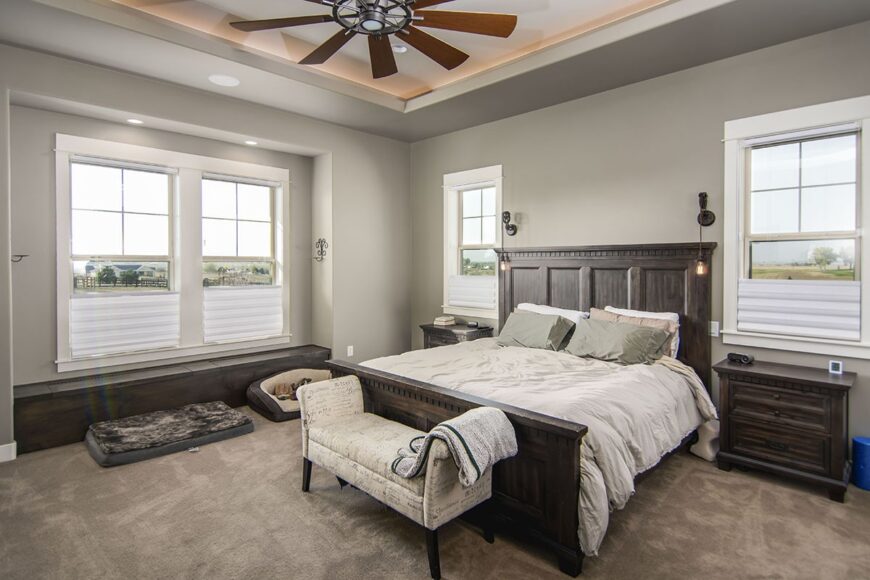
(635, 414)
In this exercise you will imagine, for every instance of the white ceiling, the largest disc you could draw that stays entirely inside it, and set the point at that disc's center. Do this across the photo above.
(675, 36)
(541, 23)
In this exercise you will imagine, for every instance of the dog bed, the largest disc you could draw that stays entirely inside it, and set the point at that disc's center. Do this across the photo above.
(282, 406)
(140, 437)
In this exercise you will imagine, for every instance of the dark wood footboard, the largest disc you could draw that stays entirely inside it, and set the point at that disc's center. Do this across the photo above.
(537, 490)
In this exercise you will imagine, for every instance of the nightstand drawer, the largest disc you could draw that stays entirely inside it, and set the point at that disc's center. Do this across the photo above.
(434, 340)
(781, 406)
(804, 451)
(434, 336)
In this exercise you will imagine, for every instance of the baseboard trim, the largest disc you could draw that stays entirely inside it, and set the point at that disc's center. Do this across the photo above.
(7, 452)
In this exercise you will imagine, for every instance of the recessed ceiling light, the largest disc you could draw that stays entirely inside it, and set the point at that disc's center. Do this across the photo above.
(251, 142)
(135, 122)
(224, 80)
(400, 49)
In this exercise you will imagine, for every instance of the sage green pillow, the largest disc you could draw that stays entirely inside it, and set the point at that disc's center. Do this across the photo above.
(617, 342)
(531, 330)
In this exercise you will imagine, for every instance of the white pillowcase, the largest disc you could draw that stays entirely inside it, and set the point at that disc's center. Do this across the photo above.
(574, 316)
(673, 316)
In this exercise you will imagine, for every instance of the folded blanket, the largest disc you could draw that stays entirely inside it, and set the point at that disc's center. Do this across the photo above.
(477, 440)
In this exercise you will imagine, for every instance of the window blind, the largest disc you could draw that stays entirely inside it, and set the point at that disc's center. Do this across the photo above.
(243, 312)
(101, 325)
(808, 308)
(472, 292)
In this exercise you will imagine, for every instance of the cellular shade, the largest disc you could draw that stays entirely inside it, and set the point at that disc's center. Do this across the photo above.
(241, 313)
(472, 292)
(810, 308)
(101, 325)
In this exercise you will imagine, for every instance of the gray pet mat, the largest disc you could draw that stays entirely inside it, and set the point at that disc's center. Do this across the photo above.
(140, 437)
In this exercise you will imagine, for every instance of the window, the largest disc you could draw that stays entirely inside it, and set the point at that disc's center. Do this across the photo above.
(472, 232)
(120, 247)
(794, 252)
(802, 204)
(160, 256)
(120, 228)
(237, 250)
(477, 232)
(237, 234)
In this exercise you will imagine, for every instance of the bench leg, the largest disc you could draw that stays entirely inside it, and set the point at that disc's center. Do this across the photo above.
(432, 549)
(306, 474)
(488, 534)
(488, 523)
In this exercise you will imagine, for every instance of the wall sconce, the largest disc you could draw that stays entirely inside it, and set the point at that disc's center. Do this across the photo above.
(509, 228)
(320, 250)
(706, 218)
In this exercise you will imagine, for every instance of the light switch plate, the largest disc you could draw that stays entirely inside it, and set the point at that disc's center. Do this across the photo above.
(350, 350)
(714, 328)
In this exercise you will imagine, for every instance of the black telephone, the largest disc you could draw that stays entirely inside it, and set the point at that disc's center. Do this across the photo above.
(740, 358)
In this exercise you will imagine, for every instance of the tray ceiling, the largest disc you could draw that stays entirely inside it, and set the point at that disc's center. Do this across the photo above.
(665, 38)
(541, 24)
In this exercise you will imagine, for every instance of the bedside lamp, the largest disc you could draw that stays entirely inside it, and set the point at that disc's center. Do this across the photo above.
(705, 218)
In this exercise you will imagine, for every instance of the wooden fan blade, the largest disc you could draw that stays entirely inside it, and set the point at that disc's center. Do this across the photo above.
(420, 4)
(383, 59)
(436, 49)
(322, 53)
(501, 25)
(254, 25)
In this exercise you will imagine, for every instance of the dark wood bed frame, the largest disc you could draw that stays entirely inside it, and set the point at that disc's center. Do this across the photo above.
(538, 489)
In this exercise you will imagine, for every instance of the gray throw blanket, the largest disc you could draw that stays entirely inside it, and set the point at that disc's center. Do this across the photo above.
(477, 440)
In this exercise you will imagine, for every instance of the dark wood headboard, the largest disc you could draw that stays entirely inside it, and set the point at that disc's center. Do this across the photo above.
(652, 277)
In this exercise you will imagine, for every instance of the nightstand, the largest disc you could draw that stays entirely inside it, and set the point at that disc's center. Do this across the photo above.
(789, 420)
(443, 335)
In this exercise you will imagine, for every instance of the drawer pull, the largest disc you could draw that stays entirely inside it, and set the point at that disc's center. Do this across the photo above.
(777, 397)
(776, 445)
(776, 413)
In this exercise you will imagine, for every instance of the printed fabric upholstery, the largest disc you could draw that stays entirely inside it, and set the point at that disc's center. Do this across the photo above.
(371, 441)
(445, 498)
(326, 401)
(405, 501)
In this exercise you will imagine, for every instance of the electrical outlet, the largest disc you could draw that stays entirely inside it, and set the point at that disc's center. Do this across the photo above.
(714, 328)
(350, 350)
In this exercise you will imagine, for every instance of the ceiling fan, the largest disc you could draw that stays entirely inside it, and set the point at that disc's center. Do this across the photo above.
(378, 19)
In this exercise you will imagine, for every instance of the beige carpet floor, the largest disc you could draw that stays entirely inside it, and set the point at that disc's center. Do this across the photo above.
(235, 510)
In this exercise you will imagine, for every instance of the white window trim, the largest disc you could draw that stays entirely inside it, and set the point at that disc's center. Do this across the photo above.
(187, 250)
(743, 133)
(453, 183)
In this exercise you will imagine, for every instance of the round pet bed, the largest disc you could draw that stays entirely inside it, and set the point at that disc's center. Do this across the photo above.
(261, 394)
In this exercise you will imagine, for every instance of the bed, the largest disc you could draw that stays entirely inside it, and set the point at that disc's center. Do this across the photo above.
(583, 432)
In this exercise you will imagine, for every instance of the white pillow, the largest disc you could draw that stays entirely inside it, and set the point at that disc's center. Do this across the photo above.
(573, 315)
(673, 316)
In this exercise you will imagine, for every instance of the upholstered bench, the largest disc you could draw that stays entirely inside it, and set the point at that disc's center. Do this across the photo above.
(359, 448)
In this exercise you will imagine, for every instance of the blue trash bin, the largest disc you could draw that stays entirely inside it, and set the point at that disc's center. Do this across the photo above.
(861, 462)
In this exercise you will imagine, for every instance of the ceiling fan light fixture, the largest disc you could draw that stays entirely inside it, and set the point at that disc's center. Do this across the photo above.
(373, 21)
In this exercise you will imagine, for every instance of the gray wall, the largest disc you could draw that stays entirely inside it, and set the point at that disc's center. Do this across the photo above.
(370, 249)
(33, 225)
(5, 274)
(625, 166)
